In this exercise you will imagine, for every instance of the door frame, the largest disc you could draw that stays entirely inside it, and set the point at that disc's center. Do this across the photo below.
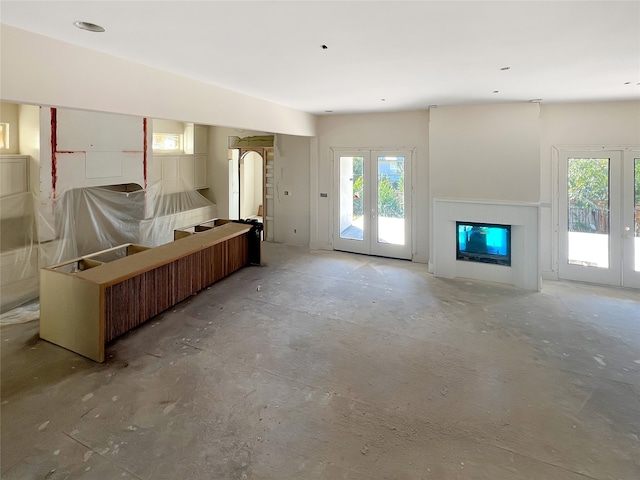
(370, 245)
(630, 277)
(623, 153)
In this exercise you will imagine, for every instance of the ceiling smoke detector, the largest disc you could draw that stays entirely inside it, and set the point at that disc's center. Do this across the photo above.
(91, 27)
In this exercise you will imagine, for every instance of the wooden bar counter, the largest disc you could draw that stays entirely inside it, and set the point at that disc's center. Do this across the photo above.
(87, 302)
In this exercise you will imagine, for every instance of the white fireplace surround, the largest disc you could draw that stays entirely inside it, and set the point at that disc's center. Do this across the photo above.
(524, 219)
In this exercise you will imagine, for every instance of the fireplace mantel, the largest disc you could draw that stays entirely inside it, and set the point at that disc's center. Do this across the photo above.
(524, 219)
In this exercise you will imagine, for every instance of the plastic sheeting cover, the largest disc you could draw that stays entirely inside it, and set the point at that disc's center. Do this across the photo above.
(87, 220)
(18, 250)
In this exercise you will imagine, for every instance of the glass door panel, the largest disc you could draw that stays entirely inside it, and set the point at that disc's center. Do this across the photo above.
(351, 198)
(590, 244)
(588, 212)
(351, 224)
(391, 215)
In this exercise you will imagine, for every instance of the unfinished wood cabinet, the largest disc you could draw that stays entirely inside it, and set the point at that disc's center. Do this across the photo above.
(89, 301)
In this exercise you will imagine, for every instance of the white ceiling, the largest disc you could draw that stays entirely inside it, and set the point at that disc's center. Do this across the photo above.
(412, 54)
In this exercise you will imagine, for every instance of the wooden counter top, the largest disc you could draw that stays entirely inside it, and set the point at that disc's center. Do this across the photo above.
(118, 270)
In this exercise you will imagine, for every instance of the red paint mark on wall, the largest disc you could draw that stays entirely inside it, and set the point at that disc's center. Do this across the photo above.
(144, 156)
(54, 148)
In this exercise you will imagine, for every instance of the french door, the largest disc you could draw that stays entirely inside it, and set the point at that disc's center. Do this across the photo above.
(372, 211)
(599, 217)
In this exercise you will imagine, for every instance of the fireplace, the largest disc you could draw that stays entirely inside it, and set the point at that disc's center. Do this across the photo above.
(518, 266)
(483, 243)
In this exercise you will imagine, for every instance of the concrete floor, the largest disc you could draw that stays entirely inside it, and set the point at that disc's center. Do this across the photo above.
(330, 365)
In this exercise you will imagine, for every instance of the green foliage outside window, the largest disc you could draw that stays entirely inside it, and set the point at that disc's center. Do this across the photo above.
(588, 184)
(390, 198)
(390, 192)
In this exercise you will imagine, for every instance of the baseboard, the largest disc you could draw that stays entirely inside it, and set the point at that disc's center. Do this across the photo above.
(420, 259)
(320, 246)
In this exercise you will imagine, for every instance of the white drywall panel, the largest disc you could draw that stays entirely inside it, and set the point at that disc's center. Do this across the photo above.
(38, 70)
(486, 152)
(168, 126)
(384, 131)
(98, 132)
(291, 174)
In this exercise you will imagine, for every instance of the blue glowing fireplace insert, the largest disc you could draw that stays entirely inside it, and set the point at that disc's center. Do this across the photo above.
(484, 243)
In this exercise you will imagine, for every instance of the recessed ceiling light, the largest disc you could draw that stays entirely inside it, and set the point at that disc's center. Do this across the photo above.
(496, 91)
(91, 27)
(505, 68)
(324, 47)
(383, 99)
(627, 83)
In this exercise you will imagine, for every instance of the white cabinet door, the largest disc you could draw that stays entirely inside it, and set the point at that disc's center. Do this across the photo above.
(200, 139)
(201, 172)
(14, 171)
(170, 174)
(187, 172)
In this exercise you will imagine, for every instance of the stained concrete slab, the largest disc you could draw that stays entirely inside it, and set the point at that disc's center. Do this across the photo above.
(328, 365)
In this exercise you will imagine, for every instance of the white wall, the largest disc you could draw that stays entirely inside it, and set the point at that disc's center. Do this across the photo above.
(487, 152)
(168, 126)
(291, 173)
(403, 130)
(610, 124)
(42, 71)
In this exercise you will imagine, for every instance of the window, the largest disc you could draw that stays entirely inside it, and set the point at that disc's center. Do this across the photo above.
(167, 142)
(4, 136)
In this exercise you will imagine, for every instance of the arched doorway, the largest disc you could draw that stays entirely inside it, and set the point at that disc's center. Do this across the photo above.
(251, 185)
